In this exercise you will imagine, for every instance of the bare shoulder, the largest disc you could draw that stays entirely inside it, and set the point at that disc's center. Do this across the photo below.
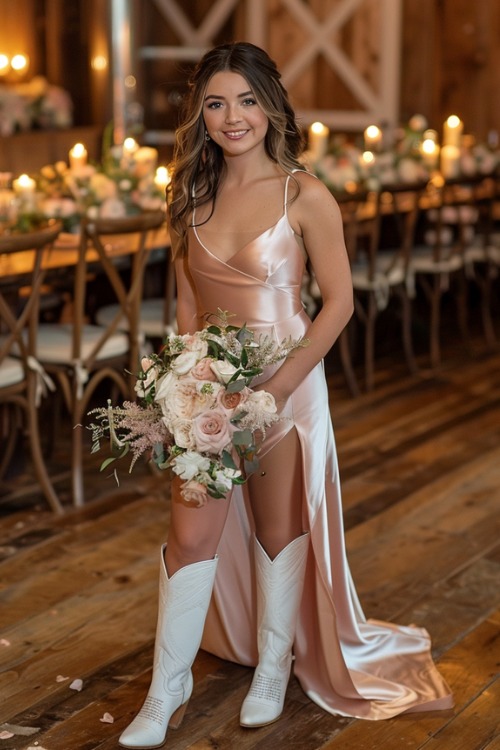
(312, 199)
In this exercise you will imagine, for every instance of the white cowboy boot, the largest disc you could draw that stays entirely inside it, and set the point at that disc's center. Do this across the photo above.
(183, 605)
(279, 592)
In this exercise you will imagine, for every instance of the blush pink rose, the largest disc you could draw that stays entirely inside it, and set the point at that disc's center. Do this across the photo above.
(203, 370)
(211, 431)
(195, 493)
(231, 401)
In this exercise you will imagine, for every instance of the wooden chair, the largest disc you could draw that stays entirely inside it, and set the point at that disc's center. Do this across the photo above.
(378, 274)
(482, 249)
(80, 355)
(156, 314)
(438, 264)
(21, 376)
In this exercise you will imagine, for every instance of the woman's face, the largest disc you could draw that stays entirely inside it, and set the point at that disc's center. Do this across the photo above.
(233, 118)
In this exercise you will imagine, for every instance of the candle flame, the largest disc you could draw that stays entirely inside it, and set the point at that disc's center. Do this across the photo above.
(319, 128)
(429, 146)
(373, 131)
(78, 150)
(453, 121)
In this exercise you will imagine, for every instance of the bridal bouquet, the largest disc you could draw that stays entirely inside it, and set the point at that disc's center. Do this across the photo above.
(197, 413)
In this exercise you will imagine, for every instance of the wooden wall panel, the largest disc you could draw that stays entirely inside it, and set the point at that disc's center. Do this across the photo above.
(451, 62)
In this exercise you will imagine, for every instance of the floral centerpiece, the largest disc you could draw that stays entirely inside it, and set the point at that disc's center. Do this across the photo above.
(122, 185)
(198, 415)
(413, 156)
(126, 182)
(34, 105)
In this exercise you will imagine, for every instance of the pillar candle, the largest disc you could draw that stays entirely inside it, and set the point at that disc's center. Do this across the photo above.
(452, 131)
(318, 141)
(450, 161)
(24, 188)
(430, 153)
(77, 157)
(162, 178)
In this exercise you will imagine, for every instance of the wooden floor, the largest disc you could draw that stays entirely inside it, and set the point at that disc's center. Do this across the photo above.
(420, 465)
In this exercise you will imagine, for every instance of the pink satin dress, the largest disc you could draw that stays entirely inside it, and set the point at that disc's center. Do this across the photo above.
(345, 663)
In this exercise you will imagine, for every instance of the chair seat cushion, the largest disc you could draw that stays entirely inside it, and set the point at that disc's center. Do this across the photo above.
(11, 372)
(54, 343)
(387, 274)
(422, 261)
(480, 254)
(150, 317)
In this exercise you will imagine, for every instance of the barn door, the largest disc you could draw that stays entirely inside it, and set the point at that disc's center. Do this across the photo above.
(340, 59)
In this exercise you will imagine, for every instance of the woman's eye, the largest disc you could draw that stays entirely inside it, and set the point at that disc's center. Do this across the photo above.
(213, 105)
(249, 101)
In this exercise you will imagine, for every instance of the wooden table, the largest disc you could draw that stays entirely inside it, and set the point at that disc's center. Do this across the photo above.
(64, 253)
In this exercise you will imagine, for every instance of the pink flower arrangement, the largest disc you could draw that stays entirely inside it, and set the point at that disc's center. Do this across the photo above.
(199, 416)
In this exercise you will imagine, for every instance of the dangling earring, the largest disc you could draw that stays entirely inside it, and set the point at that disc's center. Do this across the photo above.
(207, 137)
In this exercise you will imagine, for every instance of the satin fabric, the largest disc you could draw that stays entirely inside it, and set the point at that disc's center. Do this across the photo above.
(346, 664)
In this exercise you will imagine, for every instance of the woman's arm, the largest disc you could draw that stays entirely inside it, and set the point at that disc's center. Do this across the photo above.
(187, 320)
(316, 216)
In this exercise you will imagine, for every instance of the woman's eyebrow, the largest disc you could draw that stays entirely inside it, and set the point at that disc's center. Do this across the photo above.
(217, 96)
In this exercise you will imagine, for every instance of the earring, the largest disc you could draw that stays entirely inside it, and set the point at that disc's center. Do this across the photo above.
(207, 137)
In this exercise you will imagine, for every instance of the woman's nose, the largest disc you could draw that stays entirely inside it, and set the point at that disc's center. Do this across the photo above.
(232, 115)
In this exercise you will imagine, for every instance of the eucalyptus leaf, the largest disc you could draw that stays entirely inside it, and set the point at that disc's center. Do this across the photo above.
(242, 437)
(227, 460)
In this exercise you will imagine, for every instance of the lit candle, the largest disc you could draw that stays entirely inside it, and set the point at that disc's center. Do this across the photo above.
(318, 141)
(77, 157)
(430, 153)
(24, 188)
(144, 161)
(130, 146)
(162, 178)
(367, 159)
(372, 138)
(450, 161)
(452, 131)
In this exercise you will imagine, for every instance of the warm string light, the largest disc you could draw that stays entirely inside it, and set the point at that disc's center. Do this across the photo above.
(18, 63)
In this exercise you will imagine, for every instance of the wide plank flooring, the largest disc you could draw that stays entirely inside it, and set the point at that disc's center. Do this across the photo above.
(420, 468)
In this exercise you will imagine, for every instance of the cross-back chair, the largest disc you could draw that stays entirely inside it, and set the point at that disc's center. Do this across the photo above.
(482, 249)
(81, 355)
(379, 273)
(21, 376)
(438, 264)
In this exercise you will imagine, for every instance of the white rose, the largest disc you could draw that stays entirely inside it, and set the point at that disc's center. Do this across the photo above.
(223, 478)
(194, 343)
(263, 401)
(223, 370)
(189, 464)
(185, 362)
(164, 386)
(182, 430)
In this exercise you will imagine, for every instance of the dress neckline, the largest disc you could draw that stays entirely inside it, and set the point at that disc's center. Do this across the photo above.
(245, 246)
(283, 216)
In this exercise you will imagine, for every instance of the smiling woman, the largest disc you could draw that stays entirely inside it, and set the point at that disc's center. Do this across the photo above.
(243, 216)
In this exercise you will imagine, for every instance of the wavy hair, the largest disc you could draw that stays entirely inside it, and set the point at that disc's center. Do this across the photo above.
(198, 164)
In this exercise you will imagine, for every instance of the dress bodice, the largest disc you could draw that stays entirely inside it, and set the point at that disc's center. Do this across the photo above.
(260, 283)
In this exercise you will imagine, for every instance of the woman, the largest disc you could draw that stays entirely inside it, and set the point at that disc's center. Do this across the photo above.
(244, 218)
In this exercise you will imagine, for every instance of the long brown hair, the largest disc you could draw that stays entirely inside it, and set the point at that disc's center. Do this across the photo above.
(198, 164)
